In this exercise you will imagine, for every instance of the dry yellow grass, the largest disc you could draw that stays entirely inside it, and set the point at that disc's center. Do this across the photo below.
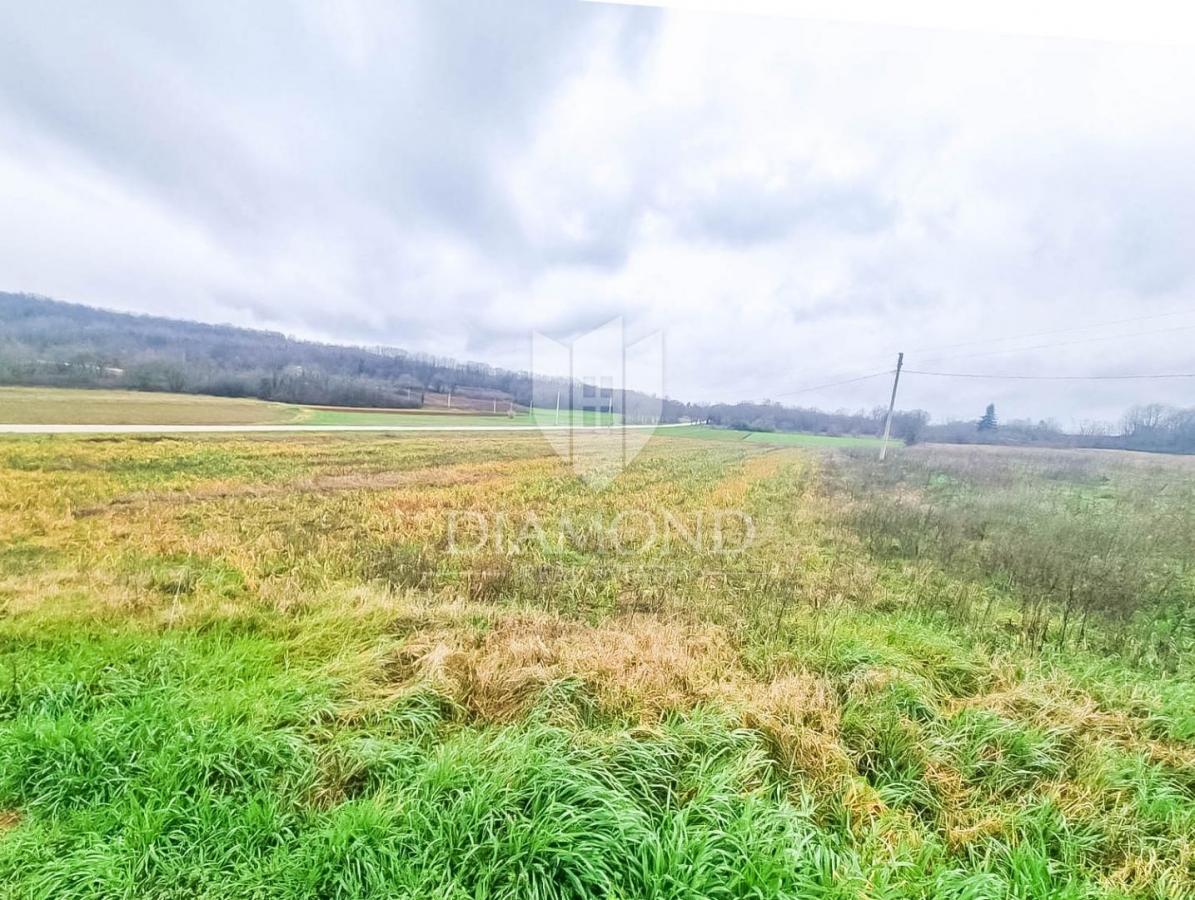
(637, 668)
(54, 406)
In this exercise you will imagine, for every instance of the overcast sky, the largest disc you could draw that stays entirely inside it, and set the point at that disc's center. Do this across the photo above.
(790, 202)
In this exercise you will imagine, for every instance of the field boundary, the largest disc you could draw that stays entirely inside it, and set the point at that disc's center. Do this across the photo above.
(259, 429)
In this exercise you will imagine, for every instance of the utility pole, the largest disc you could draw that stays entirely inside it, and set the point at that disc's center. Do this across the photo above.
(557, 406)
(900, 361)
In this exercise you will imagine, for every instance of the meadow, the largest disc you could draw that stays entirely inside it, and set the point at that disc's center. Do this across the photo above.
(53, 406)
(780, 438)
(347, 666)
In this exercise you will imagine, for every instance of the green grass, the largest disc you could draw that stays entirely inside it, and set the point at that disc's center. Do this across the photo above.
(532, 418)
(200, 766)
(1093, 553)
(777, 438)
(314, 416)
(259, 668)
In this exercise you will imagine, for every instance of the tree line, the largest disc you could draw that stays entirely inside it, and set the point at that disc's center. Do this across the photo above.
(48, 343)
(1153, 427)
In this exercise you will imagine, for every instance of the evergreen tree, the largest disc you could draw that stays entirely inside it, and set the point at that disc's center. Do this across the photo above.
(988, 421)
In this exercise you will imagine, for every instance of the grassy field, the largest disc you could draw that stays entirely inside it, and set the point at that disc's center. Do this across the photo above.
(441, 666)
(404, 417)
(780, 438)
(416, 417)
(54, 406)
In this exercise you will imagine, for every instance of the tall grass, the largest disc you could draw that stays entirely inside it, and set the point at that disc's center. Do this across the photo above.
(199, 766)
(1093, 549)
(256, 668)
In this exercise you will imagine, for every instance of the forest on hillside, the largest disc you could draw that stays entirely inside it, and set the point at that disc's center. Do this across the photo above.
(45, 342)
(48, 343)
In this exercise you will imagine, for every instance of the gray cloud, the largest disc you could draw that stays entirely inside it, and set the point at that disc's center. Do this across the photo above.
(790, 202)
(745, 212)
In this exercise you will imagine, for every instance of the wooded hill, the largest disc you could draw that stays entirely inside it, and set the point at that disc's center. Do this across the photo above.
(45, 342)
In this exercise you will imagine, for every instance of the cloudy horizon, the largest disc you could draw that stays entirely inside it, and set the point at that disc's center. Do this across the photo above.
(790, 202)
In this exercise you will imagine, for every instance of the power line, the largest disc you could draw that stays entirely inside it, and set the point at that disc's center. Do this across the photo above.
(1009, 349)
(1049, 377)
(1017, 337)
(1111, 337)
(1005, 350)
(818, 387)
(841, 367)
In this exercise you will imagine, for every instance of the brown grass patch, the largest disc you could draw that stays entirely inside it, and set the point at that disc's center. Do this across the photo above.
(645, 666)
(437, 477)
(988, 826)
(1144, 874)
(638, 667)
(1076, 716)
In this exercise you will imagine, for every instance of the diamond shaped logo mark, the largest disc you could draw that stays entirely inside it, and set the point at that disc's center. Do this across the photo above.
(597, 400)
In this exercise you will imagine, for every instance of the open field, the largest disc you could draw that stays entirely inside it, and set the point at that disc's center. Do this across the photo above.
(445, 417)
(59, 406)
(62, 406)
(53, 406)
(403, 417)
(781, 438)
(441, 666)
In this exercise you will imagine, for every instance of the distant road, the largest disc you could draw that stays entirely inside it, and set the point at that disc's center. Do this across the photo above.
(261, 429)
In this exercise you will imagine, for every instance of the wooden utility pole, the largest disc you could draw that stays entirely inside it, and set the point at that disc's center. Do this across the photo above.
(900, 361)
